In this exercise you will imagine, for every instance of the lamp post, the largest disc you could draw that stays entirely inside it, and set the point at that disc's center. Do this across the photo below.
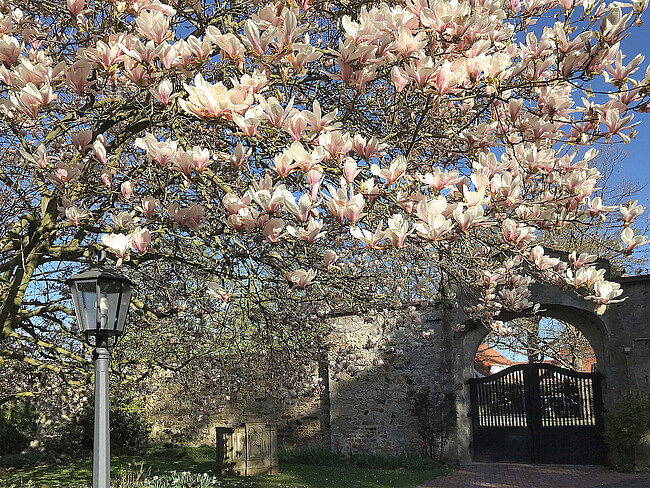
(101, 298)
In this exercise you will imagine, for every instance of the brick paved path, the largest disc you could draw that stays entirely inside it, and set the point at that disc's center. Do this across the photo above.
(483, 475)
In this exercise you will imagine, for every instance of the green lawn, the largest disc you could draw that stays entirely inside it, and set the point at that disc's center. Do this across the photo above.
(79, 474)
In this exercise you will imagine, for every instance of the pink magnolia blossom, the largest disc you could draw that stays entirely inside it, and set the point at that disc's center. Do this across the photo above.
(141, 53)
(127, 189)
(107, 178)
(614, 122)
(168, 55)
(231, 48)
(393, 173)
(434, 228)
(398, 230)
(586, 276)
(82, 139)
(283, 164)
(272, 229)
(421, 70)
(31, 98)
(184, 163)
(369, 190)
(300, 278)
(164, 91)
(409, 201)
(500, 329)
(159, 151)
(304, 159)
(186, 216)
(118, 244)
(468, 217)
(241, 155)
(316, 120)
(140, 239)
(10, 50)
(207, 100)
(77, 77)
(104, 54)
(580, 261)
(336, 143)
(234, 204)
(614, 23)
(350, 170)
(329, 258)
(314, 180)
(73, 213)
(303, 54)
(218, 292)
(596, 207)
(541, 260)
(370, 239)
(245, 220)
(441, 179)
(63, 173)
(123, 219)
(619, 73)
(200, 158)
(302, 211)
(149, 206)
(201, 49)
(39, 159)
(605, 293)
(100, 151)
(310, 234)
(251, 83)
(399, 78)
(631, 241)
(444, 79)
(274, 111)
(249, 122)
(630, 211)
(367, 148)
(295, 124)
(153, 5)
(518, 234)
(153, 25)
(353, 207)
(270, 199)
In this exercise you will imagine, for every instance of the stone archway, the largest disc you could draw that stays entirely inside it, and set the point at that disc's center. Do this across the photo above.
(620, 339)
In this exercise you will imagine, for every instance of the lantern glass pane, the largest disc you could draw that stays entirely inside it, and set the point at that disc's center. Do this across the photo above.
(124, 306)
(85, 305)
(109, 299)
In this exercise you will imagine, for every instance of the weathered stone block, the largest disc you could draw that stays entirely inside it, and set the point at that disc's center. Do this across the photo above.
(249, 450)
(642, 453)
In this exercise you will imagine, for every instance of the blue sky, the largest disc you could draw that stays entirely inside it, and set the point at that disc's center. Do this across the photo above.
(636, 168)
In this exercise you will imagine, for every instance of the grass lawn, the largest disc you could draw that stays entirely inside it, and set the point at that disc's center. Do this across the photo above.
(79, 474)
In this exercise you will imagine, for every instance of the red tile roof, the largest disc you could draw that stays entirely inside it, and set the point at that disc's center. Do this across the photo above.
(486, 358)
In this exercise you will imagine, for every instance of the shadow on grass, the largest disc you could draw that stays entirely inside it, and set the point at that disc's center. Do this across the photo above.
(304, 476)
(81, 472)
(78, 474)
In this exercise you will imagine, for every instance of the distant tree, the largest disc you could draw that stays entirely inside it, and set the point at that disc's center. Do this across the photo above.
(540, 339)
(603, 238)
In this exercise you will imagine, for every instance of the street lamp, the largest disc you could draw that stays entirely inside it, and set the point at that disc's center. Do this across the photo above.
(101, 298)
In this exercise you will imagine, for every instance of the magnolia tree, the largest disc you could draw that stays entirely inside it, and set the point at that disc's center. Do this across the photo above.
(258, 167)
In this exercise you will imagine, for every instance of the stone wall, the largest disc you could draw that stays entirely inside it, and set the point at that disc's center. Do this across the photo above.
(373, 377)
(374, 367)
(298, 419)
(377, 364)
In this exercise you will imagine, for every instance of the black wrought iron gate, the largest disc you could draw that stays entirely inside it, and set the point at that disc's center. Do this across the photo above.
(537, 413)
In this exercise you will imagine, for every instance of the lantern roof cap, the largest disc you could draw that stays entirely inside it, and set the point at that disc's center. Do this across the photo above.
(99, 272)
